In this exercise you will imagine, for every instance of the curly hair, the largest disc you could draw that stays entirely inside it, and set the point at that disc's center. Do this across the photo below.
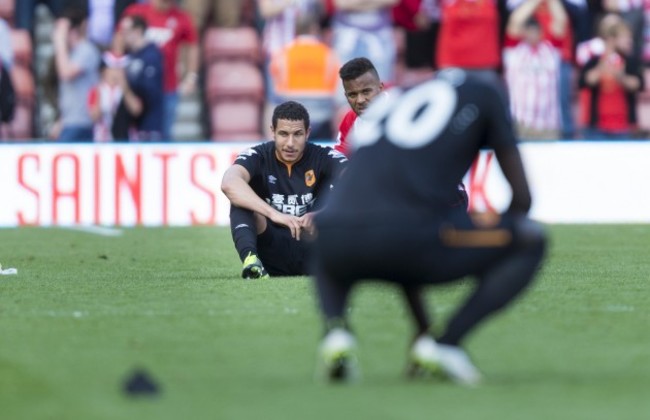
(356, 68)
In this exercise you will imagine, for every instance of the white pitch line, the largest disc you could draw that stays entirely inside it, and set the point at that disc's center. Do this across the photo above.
(98, 230)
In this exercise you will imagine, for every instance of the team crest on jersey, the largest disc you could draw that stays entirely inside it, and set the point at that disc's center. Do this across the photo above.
(310, 178)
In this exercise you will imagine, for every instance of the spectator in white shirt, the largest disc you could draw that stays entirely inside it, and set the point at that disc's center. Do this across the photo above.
(532, 68)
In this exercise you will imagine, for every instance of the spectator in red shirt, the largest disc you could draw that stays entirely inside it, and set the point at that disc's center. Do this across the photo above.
(469, 35)
(469, 38)
(585, 51)
(170, 27)
(613, 79)
(632, 11)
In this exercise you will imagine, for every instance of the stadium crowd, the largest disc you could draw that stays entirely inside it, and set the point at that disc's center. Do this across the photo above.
(571, 68)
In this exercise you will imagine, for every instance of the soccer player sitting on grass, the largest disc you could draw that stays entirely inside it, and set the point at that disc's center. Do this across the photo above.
(389, 218)
(274, 190)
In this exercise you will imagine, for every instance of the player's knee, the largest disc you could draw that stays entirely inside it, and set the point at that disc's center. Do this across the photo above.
(260, 223)
(531, 235)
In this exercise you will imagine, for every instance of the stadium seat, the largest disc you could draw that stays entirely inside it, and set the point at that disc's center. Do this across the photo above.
(243, 137)
(7, 10)
(22, 46)
(234, 79)
(236, 120)
(23, 84)
(241, 43)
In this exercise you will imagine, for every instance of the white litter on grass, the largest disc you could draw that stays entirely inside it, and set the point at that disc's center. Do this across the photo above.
(98, 230)
(7, 271)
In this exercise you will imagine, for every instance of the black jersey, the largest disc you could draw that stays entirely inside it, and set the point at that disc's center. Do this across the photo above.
(414, 148)
(292, 189)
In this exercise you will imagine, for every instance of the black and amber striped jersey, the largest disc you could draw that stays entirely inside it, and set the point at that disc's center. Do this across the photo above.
(292, 188)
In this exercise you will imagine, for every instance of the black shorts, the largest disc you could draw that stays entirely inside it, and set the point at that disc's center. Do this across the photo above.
(411, 253)
(281, 254)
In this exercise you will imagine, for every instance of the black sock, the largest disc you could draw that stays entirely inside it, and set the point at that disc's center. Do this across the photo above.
(332, 295)
(415, 299)
(244, 232)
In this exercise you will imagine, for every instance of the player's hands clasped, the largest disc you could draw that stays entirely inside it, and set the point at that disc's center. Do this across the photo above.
(307, 223)
(292, 222)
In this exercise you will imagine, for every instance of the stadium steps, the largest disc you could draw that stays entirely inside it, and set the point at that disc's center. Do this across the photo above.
(45, 114)
(187, 126)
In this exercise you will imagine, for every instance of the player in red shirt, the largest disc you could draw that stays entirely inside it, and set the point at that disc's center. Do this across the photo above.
(169, 27)
(360, 84)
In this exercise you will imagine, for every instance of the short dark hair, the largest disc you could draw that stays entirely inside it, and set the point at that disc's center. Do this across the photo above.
(292, 111)
(138, 22)
(76, 15)
(356, 68)
(532, 22)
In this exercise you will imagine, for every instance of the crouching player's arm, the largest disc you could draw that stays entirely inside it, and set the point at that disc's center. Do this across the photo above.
(235, 185)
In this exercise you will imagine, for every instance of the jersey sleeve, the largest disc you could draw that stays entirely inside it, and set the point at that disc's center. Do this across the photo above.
(251, 159)
(344, 130)
(333, 163)
(341, 146)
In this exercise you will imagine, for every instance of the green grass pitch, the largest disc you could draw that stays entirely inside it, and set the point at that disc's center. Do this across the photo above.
(85, 310)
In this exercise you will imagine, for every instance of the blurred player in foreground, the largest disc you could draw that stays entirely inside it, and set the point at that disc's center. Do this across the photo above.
(362, 85)
(274, 189)
(389, 218)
